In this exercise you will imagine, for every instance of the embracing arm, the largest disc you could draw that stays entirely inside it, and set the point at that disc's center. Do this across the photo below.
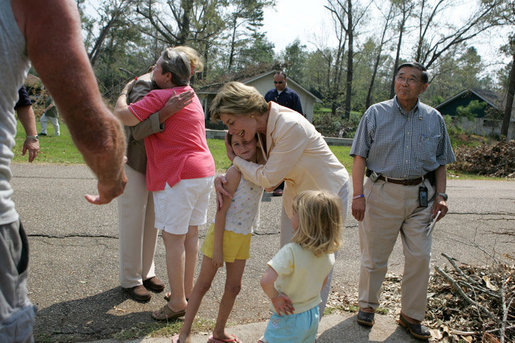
(147, 127)
(121, 110)
(290, 142)
(54, 45)
(155, 123)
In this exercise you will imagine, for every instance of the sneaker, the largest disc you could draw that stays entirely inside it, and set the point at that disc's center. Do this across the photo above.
(138, 293)
(42, 134)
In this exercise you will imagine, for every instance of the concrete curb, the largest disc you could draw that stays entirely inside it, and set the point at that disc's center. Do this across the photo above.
(341, 328)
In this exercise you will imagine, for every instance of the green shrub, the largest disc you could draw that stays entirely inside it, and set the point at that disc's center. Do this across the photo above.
(334, 126)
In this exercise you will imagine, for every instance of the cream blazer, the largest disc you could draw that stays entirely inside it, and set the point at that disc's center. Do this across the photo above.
(296, 153)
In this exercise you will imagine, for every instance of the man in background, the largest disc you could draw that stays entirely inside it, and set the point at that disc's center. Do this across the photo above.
(286, 97)
(50, 115)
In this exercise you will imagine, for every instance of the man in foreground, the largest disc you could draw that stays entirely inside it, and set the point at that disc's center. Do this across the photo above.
(53, 43)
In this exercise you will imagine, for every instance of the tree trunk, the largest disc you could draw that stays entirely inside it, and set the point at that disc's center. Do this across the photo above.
(509, 100)
(402, 25)
(233, 42)
(93, 54)
(378, 59)
(184, 33)
(350, 56)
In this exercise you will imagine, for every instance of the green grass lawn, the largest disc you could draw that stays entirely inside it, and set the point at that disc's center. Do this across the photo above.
(52, 149)
(62, 150)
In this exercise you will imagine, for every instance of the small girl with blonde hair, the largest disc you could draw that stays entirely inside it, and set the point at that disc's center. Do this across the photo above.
(298, 272)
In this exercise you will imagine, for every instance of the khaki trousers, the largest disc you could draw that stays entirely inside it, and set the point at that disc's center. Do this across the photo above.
(391, 210)
(138, 236)
(287, 234)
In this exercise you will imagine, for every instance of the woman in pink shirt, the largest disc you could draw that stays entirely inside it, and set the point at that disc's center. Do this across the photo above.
(180, 172)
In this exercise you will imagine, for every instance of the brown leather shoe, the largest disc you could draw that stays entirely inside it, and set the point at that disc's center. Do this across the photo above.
(416, 330)
(366, 318)
(154, 284)
(138, 293)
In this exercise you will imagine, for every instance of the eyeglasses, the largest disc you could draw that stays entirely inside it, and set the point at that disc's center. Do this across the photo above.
(278, 82)
(408, 80)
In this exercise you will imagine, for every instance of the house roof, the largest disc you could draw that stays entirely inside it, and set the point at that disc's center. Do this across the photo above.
(491, 98)
(215, 87)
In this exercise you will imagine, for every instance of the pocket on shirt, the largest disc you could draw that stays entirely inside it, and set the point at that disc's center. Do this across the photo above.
(428, 146)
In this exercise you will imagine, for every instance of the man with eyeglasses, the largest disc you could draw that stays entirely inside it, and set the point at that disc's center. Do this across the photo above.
(405, 147)
(286, 97)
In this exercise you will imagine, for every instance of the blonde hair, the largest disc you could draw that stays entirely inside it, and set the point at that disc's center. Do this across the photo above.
(235, 98)
(193, 56)
(320, 221)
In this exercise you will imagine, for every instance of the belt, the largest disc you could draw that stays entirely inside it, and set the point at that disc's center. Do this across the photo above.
(404, 182)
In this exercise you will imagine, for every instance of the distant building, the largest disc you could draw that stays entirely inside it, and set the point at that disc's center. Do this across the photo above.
(488, 120)
(263, 83)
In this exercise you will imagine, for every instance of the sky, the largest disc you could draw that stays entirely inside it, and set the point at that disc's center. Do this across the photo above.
(311, 23)
(305, 20)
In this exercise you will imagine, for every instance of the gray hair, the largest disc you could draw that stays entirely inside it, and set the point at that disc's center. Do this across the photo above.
(177, 63)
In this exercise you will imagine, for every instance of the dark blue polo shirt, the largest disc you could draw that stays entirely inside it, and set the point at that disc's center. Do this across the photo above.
(288, 98)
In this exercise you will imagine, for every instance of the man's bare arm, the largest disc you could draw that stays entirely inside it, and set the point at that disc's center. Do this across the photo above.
(28, 121)
(54, 45)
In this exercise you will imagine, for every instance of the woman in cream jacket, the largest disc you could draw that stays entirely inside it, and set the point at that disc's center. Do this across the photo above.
(292, 149)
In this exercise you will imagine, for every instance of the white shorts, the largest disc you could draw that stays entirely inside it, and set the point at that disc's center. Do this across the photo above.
(183, 205)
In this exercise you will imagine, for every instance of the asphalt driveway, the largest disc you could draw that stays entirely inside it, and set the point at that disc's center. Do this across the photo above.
(74, 251)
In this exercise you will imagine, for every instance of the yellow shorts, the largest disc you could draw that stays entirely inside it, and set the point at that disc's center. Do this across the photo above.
(236, 246)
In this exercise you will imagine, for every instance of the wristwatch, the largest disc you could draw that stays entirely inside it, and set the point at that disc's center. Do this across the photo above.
(444, 196)
(36, 137)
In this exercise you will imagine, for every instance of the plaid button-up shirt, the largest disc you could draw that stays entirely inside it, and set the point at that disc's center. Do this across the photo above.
(402, 145)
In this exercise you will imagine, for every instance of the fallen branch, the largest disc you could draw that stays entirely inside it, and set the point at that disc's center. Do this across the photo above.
(465, 296)
(475, 333)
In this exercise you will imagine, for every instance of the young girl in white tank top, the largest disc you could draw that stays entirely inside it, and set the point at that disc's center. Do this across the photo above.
(227, 240)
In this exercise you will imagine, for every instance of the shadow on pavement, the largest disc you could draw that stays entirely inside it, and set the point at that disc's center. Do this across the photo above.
(349, 331)
(98, 316)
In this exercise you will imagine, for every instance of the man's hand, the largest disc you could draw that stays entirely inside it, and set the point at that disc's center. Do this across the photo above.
(282, 304)
(175, 104)
(358, 208)
(220, 181)
(107, 191)
(439, 205)
(32, 146)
